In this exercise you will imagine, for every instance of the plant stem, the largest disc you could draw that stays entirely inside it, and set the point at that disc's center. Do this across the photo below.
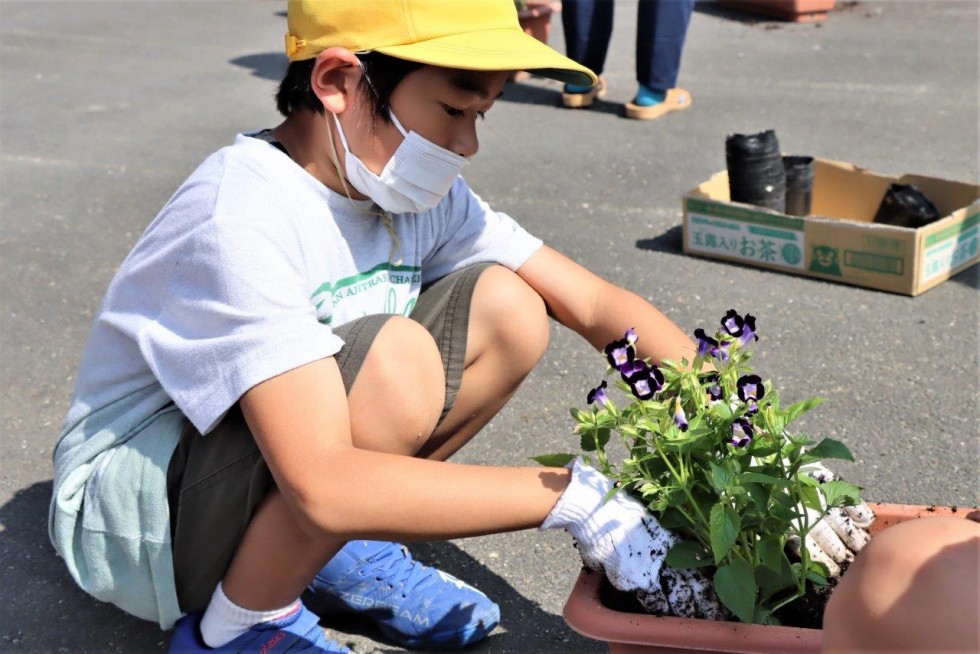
(785, 602)
(681, 477)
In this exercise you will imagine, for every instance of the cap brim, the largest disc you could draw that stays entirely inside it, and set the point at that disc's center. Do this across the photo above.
(501, 49)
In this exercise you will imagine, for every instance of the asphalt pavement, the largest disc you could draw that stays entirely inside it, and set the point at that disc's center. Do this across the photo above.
(107, 106)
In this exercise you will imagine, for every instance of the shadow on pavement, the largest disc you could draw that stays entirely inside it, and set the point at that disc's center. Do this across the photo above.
(670, 242)
(712, 8)
(71, 620)
(969, 277)
(517, 612)
(74, 622)
(521, 93)
(266, 65)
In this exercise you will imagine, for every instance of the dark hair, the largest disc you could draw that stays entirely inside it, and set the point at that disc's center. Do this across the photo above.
(381, 75)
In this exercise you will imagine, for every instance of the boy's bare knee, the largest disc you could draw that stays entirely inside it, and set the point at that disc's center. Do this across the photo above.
(400, 390)
(512, 316)
(913, 587)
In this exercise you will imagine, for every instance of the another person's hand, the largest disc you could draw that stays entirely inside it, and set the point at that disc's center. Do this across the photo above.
(622, 539)
(841, 534)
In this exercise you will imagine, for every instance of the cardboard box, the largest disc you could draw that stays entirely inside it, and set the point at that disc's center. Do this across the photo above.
(839, 241)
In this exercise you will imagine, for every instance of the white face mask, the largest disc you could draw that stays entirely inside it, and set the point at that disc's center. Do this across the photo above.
(416, 178)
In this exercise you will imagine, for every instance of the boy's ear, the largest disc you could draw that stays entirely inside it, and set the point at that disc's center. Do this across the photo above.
(335, 77)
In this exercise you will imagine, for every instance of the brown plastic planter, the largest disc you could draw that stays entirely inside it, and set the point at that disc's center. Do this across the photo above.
(799, 11)
(636, 633)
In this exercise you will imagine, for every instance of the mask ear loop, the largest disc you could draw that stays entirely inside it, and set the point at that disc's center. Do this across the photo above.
(381, 213)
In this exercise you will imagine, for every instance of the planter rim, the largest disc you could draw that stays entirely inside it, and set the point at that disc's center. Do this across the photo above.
(586, 614)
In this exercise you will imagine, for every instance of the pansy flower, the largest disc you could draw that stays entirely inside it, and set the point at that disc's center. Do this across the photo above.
(680, 418)
(733, 323)
(706, 344)
(750, 388)
(620, 353)
(643, 380)
(741, 432)
(714, 388)
(631, 336)
(598, 395)
(748, 330)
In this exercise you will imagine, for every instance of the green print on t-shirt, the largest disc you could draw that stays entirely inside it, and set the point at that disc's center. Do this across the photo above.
(383, 274)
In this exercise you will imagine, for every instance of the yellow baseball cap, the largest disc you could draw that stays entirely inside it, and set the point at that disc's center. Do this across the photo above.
(466, 34)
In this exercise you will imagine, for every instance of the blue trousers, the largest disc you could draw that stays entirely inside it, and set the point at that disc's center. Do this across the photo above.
(661, 27)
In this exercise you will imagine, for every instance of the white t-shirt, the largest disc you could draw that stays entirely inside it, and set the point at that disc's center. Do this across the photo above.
(238, 279)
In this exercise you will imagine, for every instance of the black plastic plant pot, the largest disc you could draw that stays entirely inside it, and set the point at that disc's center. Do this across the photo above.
(906, 206)
(799, 184)
(755, 170)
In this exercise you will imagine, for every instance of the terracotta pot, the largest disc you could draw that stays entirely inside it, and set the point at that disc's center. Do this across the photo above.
(636, 633)
(536, 21)
(795, 10)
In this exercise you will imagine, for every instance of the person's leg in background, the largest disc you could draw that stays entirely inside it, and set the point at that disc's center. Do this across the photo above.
(661, 30)
(588, 28)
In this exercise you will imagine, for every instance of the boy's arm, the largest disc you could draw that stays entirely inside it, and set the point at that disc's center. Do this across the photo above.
(600, 311)
(300, 422)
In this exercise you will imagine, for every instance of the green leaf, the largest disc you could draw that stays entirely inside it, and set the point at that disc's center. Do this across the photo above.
(671, 518)
(763, 616)
(816, 578)
(772, 582)
(688, 554)
(724, 523)
(771, 553)
(760, 451)
(720, 477)
(840, 493)
(810, 498)
(807, 480)
(722, 410)
(794, 411)
(759, 495)
(735, 585)
(589, 438)
(828, 448)
(629, 431)
(605, 419)
(783, 515)
(554, 460)
(765, 479)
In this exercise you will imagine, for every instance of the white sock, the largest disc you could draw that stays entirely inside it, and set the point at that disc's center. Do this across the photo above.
(224, 621)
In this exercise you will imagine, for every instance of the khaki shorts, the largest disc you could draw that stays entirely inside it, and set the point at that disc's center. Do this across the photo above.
(216, 482)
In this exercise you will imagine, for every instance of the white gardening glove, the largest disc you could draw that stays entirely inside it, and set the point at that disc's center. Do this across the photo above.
(841, 534)
(623, 540)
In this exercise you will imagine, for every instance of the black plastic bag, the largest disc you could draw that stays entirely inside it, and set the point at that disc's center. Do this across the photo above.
(906, 206)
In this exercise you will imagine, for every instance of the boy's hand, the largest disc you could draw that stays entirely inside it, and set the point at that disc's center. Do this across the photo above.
(623, 540)
(841, 534)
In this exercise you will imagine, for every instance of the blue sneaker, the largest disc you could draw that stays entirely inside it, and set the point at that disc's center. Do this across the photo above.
(412, 604)
(297, 632)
